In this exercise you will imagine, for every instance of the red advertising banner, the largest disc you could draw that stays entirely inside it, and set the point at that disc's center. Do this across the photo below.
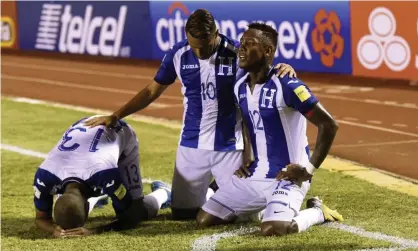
(9, 37)
(385, 39)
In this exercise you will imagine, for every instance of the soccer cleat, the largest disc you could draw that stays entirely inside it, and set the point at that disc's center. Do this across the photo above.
(329, 214)
(155, 185)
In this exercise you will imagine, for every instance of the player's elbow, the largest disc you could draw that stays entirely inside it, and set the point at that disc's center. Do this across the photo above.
(155, 90)
(331, 126)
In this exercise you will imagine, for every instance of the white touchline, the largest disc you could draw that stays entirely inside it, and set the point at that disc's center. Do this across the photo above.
(173, 123)
(77, 70)
(79, 86)
(377, 143)
(208, 242)
(145, 77)
(378, 128)
(40, 155)
(141, 118)
(367, 101)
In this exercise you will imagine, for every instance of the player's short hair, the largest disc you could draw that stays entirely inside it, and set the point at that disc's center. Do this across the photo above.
(268, 32)
(70, 211)
(201, 24)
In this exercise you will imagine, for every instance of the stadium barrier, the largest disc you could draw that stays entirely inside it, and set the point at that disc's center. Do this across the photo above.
(372, 39)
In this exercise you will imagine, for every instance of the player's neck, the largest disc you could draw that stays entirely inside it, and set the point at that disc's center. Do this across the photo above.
(76, 188)
(259, 75)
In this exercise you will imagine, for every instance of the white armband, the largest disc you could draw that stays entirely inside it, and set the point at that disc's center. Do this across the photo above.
(310, 168)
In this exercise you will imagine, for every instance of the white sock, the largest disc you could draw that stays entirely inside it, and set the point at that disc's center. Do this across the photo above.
(160, 195)
(209, 193)
(308, 218)
(154, 200)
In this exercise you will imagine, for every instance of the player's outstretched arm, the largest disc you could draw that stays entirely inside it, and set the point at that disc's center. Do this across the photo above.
(327, 129)
(128, 219)
(145, 97)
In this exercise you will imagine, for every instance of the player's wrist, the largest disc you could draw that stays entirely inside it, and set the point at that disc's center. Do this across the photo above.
(115, 116)
(310, 168)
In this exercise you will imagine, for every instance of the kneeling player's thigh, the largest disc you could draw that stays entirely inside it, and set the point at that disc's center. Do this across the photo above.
(130, 173)
(225, 165)
(235, 198)
(284, 201)
(191, 178)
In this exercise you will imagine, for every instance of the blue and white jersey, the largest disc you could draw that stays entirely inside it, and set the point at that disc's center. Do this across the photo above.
(90, 156)
(274, 115)
(210, 119)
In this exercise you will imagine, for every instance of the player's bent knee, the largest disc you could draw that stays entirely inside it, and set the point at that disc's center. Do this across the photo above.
(278, 228)
(204, 219)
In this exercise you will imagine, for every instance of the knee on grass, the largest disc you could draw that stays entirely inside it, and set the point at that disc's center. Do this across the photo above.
(204, 220)
(278, 228)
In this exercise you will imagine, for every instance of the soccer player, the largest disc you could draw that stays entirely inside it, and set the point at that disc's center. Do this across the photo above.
(275, 111)
(88, 162)
(211, 142)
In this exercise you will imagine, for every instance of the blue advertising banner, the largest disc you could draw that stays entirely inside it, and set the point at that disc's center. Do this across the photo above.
(313, 36)
(116, 29)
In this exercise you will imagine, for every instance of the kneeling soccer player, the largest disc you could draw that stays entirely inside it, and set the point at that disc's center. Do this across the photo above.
(88, 162)
(275, 112)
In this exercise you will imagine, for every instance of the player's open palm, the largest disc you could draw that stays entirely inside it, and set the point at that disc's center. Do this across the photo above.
(107, 121)
(295, 173)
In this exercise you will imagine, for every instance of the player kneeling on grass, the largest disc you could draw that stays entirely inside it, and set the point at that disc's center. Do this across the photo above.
(275, 111)
(88, 162)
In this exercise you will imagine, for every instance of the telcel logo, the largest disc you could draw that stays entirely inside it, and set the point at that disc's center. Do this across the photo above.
(292, 35)
(95, 35)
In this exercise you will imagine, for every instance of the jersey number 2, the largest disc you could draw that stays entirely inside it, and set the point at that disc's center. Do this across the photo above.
(73, 147)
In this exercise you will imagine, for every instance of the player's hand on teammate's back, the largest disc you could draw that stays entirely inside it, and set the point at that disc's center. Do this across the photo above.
(295, 173)
(107, 121)
(284, 69)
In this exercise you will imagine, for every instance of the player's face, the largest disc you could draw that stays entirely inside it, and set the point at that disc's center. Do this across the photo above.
(203, 49)
(251, 50)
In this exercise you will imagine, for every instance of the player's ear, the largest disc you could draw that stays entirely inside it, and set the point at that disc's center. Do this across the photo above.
(269, 51)
(216, 33)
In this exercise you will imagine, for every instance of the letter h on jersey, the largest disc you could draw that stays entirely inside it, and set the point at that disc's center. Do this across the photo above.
(222, 66)
(268, 98)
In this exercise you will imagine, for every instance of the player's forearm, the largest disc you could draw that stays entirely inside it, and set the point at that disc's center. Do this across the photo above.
(145, 97)
(246, 139)
(326, 135)
(46, 225)
(116, 225)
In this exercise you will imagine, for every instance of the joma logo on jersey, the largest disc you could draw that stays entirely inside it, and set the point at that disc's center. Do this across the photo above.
(190, 66)
(79, 34)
